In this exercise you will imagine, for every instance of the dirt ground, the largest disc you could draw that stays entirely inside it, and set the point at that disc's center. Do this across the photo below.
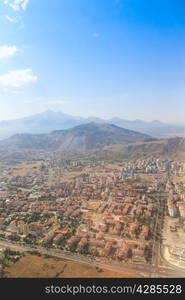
(32, 266)
(172, 239)
(93, 205)
(174, 242)
(24, 168)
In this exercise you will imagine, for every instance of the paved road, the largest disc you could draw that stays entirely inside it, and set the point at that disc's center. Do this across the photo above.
(74, 257)
(142, 270)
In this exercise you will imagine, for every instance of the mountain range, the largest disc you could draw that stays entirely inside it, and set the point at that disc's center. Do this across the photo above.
(83, 137)
(49, 121)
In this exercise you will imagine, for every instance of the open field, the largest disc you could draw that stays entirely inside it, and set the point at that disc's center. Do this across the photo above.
(69, 175)
(25, 168)
(32, 266)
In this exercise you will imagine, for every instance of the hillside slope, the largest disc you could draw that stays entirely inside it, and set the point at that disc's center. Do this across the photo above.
(83, 137)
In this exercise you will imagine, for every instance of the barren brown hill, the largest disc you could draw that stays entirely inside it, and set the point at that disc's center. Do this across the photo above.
(174, 147)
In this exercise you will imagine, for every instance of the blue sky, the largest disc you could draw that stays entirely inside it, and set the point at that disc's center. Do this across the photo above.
(102, 58)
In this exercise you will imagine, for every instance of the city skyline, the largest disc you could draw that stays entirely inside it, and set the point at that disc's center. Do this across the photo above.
(114, 58)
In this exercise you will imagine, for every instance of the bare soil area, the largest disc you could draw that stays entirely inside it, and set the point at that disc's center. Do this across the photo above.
(32, 266)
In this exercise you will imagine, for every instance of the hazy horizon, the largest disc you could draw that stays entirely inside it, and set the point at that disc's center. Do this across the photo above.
(88, 116)
(109, 58)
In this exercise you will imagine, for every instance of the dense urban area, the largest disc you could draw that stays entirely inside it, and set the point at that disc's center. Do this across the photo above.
(127, 212)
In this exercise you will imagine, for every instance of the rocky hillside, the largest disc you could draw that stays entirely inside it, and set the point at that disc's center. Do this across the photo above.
(84, 137)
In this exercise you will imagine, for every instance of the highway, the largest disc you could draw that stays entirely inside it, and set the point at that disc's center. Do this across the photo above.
(137, 270)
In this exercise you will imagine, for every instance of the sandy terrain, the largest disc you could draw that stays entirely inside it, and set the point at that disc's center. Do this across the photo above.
(173, 240)
(38, 267)
(25, 168)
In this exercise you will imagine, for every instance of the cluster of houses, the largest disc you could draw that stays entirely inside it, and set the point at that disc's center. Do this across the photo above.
(115, 208)
(97, 244)
(154, 165)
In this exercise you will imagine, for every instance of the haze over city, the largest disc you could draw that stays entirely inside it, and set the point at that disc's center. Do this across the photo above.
(93, 58)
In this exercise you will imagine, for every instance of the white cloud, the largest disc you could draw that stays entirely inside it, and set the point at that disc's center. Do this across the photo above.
(10, 19)
(17, 78)
(6, 51)
(16, 20)
(17, 4)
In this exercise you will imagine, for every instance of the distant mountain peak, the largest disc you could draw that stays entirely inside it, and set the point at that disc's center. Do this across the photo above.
(83, 137)
(50, 120)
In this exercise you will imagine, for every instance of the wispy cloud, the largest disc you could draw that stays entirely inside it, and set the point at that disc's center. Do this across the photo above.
(17, 5)
(7, 51)
(17, 20)
(10, 19)
(17, 79)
